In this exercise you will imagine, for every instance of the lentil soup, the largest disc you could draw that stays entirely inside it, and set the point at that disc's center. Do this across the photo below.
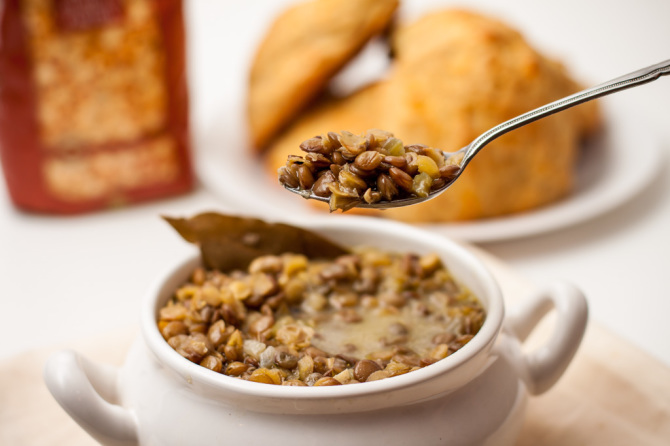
(290, 320)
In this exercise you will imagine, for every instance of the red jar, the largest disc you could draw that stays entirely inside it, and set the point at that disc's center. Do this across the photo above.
(93, 102)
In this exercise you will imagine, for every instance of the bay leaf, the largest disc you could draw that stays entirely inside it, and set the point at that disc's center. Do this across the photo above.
(229, 242)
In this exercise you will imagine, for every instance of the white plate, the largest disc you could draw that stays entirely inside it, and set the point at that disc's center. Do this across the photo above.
(614, 169)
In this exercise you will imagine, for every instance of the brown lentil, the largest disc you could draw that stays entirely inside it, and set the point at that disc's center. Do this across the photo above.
(364, 368)
(366, 168)
(288, 320)
(212, 362)
(327, 381)
(369, 160)
(387, 187)
(401, 178)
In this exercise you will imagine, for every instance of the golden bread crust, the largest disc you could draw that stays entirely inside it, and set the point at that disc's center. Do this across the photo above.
(304, 48)
(475, 73)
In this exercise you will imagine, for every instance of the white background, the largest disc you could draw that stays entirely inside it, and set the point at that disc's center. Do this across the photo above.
(65, 278)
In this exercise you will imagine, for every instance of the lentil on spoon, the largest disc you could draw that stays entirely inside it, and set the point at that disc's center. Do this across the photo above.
(350, 170)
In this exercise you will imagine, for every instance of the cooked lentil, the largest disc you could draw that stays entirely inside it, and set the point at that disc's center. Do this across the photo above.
(352, 169)
(288, 320)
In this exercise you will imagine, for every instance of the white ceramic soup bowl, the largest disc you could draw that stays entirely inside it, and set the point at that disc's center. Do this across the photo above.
(475, 396)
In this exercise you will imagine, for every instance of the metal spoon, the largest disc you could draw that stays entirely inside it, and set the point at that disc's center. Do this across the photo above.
(468, 152)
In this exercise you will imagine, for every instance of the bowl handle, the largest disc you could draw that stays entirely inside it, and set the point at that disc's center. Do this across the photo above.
(542, 367)
(88, 393)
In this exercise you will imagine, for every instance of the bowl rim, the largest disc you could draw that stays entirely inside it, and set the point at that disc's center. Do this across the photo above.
(194, 373)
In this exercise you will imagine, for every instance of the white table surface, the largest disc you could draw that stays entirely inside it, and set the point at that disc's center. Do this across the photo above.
(64, 278)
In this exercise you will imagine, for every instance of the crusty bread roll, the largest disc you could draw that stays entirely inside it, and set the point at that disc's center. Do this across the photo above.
(457, 74)
(306, 45)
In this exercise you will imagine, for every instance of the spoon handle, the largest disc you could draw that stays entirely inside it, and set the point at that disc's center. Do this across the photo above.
(624, 82)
